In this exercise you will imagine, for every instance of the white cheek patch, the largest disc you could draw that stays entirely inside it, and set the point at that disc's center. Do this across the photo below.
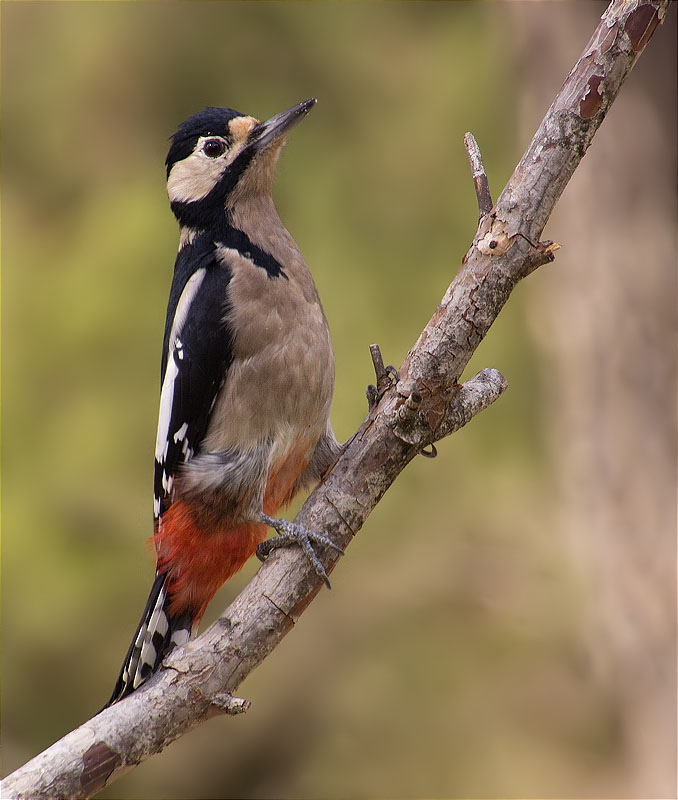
(194, 178)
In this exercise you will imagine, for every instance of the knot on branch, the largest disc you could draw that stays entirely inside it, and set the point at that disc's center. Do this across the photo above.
(496, 241)
(408, 410)
(427, 416)
(420, 414)
(496, 236)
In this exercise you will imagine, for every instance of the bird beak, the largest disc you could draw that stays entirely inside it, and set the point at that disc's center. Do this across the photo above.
(266, 133)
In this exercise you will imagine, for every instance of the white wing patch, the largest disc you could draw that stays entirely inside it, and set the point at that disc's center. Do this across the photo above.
(172, 370)
(166, 402)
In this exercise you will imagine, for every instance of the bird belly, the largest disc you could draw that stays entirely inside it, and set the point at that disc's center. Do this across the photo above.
(280, 382)
(202, 545)
(278, 390)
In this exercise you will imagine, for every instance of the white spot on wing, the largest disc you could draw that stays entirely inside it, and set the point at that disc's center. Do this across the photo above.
(167, 481)
(181, 433)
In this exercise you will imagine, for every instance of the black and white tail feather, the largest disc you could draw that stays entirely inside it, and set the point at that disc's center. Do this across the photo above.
(156, 635)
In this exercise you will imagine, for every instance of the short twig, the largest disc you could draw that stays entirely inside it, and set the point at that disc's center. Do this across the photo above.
(383, 381)
(541, 253)
(386, 377)
(479, 177)
(225, 703)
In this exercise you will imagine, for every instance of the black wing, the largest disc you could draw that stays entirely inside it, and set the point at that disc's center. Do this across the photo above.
(197, 352)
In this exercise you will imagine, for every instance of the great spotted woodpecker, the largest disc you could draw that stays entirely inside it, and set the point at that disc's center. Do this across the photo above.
(247, 378)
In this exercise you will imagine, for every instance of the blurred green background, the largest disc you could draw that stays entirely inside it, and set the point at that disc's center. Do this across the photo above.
(448, 659)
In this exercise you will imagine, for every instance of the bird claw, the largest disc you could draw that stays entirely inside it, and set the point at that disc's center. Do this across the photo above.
(372, 396)
(292, 533)
(387, 379)
(393, 373)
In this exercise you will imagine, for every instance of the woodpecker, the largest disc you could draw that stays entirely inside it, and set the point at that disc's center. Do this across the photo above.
(247, 376)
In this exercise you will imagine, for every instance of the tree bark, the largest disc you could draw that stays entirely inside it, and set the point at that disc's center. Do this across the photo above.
(424, 405)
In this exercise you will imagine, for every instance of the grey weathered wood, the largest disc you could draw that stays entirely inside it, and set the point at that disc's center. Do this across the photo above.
(425, 405)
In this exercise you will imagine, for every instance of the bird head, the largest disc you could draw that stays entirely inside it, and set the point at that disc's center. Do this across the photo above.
(219, 156)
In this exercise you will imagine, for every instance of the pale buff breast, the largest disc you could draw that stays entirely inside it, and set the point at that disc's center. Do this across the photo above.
(279, 386)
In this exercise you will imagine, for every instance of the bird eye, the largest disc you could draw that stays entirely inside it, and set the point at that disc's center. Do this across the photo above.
(214, 148)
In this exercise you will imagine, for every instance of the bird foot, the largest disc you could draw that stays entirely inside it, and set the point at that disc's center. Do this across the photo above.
(292, 533)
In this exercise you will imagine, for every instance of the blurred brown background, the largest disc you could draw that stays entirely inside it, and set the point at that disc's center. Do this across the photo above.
(504, 625)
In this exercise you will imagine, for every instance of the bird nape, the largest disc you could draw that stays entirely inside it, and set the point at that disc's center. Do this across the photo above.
(247, 376)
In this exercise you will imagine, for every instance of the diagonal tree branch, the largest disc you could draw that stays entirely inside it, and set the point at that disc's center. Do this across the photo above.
(426, 404)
